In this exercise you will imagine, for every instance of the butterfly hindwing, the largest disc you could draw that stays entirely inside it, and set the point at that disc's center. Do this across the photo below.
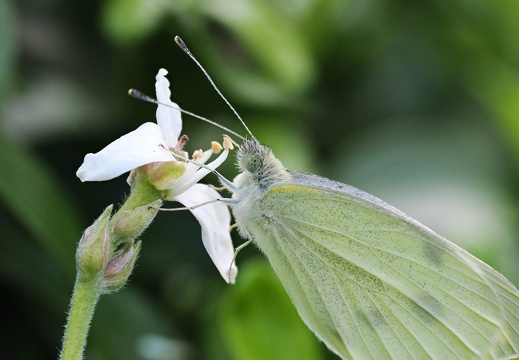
(373, 283)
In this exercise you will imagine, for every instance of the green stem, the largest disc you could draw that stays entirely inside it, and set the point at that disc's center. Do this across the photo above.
(142, 193)
(88, 286)
(84, 299)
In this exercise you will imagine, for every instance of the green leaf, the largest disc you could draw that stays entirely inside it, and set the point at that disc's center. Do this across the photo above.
(273, 37)
(35, 196)
(496, 84)
(129, 21)
(259, 321)
(7, 47)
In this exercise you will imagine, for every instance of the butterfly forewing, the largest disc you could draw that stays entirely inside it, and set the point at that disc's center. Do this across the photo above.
(372, 283)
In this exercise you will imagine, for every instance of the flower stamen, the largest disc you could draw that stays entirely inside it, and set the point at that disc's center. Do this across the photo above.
(181, 142)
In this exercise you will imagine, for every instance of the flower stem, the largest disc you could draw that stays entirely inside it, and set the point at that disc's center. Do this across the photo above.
(84, 299)
(94, 253)
(143, 193)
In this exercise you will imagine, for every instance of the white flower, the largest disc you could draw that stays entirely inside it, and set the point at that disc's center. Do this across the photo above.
(153, 145)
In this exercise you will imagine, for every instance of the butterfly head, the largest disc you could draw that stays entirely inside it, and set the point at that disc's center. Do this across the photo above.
(260, 164)
(251, 156)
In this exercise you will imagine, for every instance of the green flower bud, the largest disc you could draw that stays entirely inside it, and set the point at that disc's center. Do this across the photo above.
(92, 252)
(163, 175)
(133, 222)
(120, 268)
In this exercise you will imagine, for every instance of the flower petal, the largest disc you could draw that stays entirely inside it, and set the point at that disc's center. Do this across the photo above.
(139, 147)
(215, 220)
(188, 177)
(168, 117)
(202, 159)
(194, 173)
(203, 171)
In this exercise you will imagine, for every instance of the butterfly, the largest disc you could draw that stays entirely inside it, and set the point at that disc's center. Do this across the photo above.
(368, 280)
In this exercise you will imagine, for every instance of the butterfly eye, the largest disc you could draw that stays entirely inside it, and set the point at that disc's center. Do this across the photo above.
(252, 163)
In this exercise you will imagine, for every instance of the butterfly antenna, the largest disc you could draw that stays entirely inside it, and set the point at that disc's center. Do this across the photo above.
(183, 46)
(139, 95)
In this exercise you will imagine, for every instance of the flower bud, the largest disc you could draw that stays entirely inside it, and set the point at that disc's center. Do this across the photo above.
(93, 249)
(133, 222)
(120, 268)
(164, 174)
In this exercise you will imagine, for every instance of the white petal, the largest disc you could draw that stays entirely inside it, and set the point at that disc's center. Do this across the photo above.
(139, 147)
(195, 173)
(168, 118)
(206, 155)
(215, 220)
(201, 172)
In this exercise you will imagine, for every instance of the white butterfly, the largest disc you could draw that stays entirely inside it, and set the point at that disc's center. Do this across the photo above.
(371, 282)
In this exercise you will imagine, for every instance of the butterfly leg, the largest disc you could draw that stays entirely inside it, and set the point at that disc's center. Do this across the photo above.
(236, 251)
(224, 200)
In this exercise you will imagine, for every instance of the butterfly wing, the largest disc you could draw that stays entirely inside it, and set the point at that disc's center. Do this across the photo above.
(373, 283)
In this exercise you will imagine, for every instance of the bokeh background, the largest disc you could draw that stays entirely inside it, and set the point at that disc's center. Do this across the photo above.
(414, 102)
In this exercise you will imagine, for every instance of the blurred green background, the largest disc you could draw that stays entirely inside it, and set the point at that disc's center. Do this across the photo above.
(414, 102)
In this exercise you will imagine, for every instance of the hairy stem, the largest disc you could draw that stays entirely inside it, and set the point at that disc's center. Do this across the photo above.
(84, 299)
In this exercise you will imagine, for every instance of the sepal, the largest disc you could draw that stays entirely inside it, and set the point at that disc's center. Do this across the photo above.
(92, 253)
(120, 268)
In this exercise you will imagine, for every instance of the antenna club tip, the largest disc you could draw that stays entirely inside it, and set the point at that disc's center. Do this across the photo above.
(180, 42)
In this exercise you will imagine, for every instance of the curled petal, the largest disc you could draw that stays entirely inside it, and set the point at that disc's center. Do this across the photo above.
(202, 159)
(168, 118)
(200, 171)
(215, 220)
(139, 147)
(194, 173)
(191, 170)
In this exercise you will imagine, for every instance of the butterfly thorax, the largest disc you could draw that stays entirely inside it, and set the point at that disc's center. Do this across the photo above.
(259, 171)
